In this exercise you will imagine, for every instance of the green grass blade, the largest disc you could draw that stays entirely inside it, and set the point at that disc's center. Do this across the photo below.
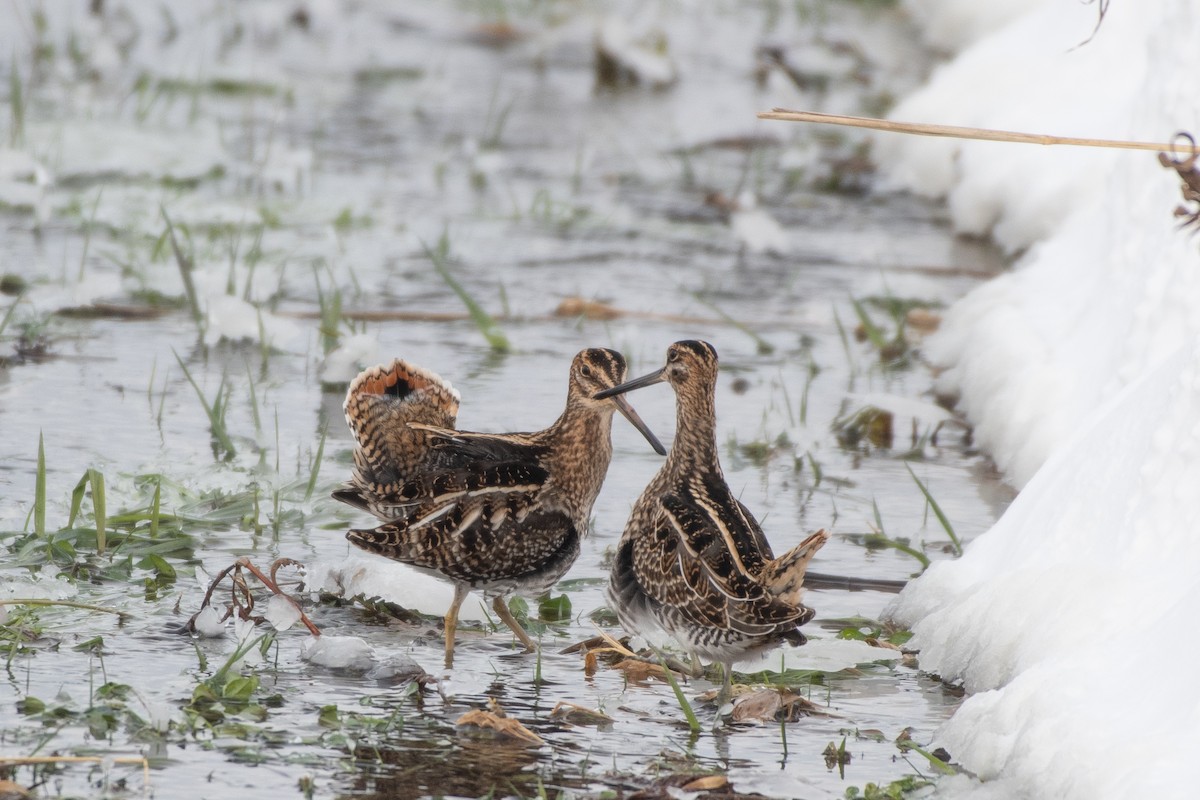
(77, 500)
(185, 272)
(934, 761)
(841, 329)
(215, 412)
(817, 472)
(39, 490)
(878, 518)
(16, 101)
(96, 478)
(316, 467)
(879, 540)
(680, 697)
(87, 233)
(43, 601)
(9, 313)
(764, 347)
(155, 508)
(487, 326)
(254, 395)
(937, 510)
(874, 332)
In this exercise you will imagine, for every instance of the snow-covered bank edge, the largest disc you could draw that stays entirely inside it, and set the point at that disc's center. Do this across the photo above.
(1079, 370)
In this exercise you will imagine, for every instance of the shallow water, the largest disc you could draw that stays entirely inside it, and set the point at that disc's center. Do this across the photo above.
(340, 147)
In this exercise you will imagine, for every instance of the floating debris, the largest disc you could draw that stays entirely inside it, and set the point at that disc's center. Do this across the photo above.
(496, 720)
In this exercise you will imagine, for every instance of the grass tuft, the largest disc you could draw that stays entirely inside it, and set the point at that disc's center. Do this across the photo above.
(763, 347)
(186, 265)
(222, 445)
(95, 479)
(315, 469)
(16, 101)
(881, 539)
(440, 256)
(39, 490)
(680, 697)
(937, 510)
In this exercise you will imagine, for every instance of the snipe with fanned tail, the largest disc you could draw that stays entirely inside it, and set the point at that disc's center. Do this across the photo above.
(693, 560)
(497, 512)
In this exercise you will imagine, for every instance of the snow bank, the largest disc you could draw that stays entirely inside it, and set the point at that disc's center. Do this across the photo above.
(1069, 619)
(1108, 285)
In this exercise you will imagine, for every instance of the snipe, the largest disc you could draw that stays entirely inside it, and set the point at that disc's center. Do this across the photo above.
(497, 512)
(693, 560)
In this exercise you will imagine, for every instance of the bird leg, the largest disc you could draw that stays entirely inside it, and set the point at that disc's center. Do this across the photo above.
(501, 609)
(726, 692)
(460, 593)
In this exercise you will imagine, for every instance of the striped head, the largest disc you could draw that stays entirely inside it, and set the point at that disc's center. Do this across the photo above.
(691, 369)
(595, 370)
(691, 363)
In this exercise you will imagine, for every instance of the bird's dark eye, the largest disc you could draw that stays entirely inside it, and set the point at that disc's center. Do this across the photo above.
(585, 371)
(673, 355)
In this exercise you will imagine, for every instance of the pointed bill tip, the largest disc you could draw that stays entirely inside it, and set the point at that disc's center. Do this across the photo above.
(627, 411)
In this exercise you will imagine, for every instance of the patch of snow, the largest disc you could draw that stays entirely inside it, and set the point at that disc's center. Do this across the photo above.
(233, 319)
(375, 576)
(756, 229)
(208, 623)
(281, 612)
(355, 353)
(644, 57)
(954, 24)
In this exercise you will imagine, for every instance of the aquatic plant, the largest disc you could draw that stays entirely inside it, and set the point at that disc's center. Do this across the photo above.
(440, 257)
(937, 510)
(222, 445)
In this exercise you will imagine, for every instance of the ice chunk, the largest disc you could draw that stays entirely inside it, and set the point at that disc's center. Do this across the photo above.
(282, 612)
(208, 623)
(339, 652)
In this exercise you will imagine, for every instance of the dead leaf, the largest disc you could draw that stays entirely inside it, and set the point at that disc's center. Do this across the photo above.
(884, 643)
(502, 725)
(922, 320)
(706, 783)
(495, 34)
(13, 791)
(638, 671)
(588, 309)
(775, 705)
(580, 715)
(761, 705)
(590, 663)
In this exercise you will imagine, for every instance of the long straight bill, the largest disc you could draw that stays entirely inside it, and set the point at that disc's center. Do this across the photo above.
(637, 383)
(631, 415)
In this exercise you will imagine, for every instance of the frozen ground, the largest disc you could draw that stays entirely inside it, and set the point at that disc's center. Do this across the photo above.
(1069, 619)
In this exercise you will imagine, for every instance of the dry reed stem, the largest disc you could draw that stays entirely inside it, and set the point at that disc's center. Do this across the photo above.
(569, 308)
(241, 596)
(959, 132)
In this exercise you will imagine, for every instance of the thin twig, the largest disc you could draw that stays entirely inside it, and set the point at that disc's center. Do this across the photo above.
(240, 589)
(41, 601)
(274, 587)
(958, 132)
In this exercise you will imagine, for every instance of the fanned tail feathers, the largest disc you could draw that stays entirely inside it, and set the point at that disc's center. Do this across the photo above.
(783, 577)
